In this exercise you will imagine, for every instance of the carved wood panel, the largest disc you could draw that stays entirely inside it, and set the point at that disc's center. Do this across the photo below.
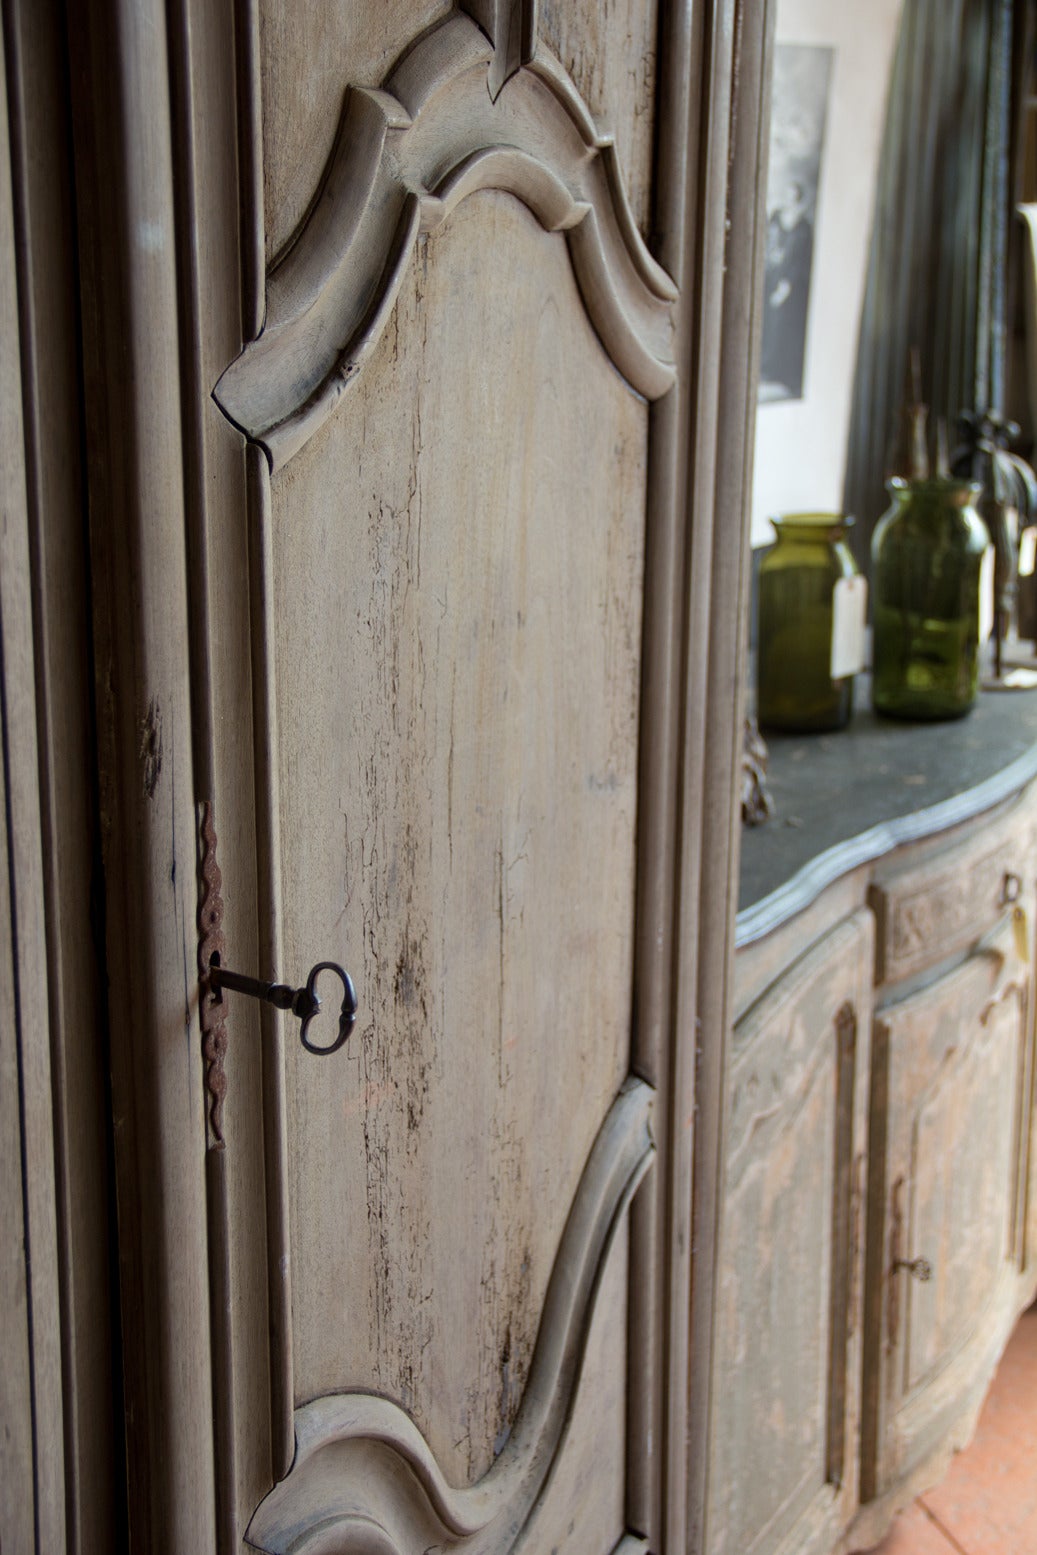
(447, 552)
(787, 1365)
(474, 669)
(945, 1228)
(405, 156)
(1026, 867)
(933, 908)
(610, 56)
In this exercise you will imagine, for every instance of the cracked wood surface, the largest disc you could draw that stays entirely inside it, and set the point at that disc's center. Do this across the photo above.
(405, 155)
(444, 634)
(457, 706)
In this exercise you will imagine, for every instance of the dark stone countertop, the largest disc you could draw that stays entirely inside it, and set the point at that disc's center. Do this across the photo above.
(845, 798)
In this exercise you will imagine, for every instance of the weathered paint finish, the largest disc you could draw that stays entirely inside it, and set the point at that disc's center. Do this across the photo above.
(457, 679)
(941, 1181)
(787, 1392)
(610, 52)
(309, 54)
(950, 1071)
(427, 627)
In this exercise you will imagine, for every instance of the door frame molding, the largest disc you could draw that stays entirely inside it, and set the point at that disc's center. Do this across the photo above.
(158, 470)
(131, 341)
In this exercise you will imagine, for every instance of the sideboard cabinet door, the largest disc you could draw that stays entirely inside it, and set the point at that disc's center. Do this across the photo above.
(947, 1143)
(787, 1358)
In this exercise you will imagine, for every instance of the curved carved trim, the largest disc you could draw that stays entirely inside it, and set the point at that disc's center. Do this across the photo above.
(511, 25)
(504, 167)
(403, 158)
(364, 1479)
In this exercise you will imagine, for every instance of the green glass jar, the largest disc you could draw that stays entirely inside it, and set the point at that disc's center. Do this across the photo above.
(811, 625)
(926, 553)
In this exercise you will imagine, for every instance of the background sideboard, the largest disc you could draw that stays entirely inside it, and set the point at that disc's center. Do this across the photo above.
(879, 1219)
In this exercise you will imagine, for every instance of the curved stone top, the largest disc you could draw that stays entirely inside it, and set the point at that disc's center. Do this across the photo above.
(848, 798)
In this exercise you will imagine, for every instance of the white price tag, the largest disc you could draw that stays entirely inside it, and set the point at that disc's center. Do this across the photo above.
(986, 595)
(849, 607)
(1027, 552)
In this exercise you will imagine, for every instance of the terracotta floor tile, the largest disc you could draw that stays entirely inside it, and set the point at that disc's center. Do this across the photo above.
(989, 1499)
(987, 1505)
(914, 1533)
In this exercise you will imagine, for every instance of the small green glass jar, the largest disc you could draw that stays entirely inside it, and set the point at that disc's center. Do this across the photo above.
(926, 553)
(804, 679)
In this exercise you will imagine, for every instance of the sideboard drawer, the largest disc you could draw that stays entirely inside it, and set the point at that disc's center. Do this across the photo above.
(937, 906)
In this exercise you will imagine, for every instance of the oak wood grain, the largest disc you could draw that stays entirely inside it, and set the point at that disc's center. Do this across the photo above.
(430, 695)
(47, 328)
(364, 1473)
(787, 1368)
(301, 104)
(473, 654)
(126, 228)
(31, 1428)
(405, 156)
(947, 1131)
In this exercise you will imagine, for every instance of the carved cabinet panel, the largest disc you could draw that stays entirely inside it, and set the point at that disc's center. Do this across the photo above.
(948, 1145)
(410, 371)
(787, 1366)
(936, 906)
(445, 409)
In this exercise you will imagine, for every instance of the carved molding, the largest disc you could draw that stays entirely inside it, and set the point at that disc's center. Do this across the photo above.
(404, 157)
(511, 26)
(940, 911)
(365, 1482)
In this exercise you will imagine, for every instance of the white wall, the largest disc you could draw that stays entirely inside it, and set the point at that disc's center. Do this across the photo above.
(801, 444)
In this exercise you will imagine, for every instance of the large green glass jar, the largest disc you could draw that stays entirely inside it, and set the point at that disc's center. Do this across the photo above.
(926, 555)
(811, 625)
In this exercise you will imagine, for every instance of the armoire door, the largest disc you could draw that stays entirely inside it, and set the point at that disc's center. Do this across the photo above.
(411, 349)
(446, 419)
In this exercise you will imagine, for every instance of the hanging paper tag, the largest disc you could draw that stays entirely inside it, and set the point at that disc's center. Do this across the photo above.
(849, 607)
(1027, 552)
(1020, 933)
(986, 595)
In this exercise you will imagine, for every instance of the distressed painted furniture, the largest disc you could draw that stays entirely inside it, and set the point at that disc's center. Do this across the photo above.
(376, 454)
(870, 1348)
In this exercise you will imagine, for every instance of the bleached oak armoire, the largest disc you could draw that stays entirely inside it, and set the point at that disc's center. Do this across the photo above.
(375, 457)
(375, 400)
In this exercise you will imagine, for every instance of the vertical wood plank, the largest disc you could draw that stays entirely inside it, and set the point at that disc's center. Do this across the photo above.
(691, 1040)
(660, 1239)
(18, 1433)
(17, 1424)
(57, 538)
(741, 52)
(271, 951)
(218, 141)
(31, 1432)
(706, 217)
(124, 172)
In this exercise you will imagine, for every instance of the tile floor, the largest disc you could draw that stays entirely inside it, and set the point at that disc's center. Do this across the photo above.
(987, 1505)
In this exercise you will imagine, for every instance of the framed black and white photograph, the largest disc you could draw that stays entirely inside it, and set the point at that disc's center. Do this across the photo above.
(802, 75)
